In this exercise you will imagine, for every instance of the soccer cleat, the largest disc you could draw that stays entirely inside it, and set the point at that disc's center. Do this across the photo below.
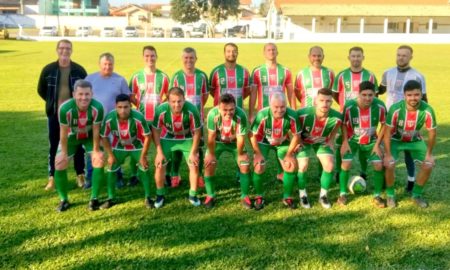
(342, 200)
(200, 182)
(259, 203)
(107, 204)
(80, 180)
(194, 201)
(391, 202)
(93, 205)
(159, 201)
(325, 202)
(379, 202)
(304, 202)
(280, 177)
(51, 183)
(247, 203)
(289, 203)
(419, 201)
(175, 181)
(209, 202)
(134, 181)
(120, 183)
(409, 187)
(149, 203)
(62, 206)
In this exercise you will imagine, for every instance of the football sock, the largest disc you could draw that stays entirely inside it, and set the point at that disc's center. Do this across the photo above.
(323, 192)
(326, 179)
(302, 193)
(209, 186)
(111, 180)
(245, 184)
(301, 178)
(343, 181)
(288, 184)
(161, 191)
(390, 191)
(61, 184)
(144, 177)
(417, 191)
(97, 179)
(192, 193)
(378, 180)
(257, 183)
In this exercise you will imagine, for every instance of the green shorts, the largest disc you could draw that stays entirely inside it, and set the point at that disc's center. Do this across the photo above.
(281, 150)
(170, 146)
(318, 149)
(417, 149)
(225, 147)
(365, 152)
(72, 146)
(121, 155)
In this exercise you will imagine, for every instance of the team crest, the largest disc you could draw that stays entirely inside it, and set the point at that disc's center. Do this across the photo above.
(231, 79)
(317, 129)
(277, 131)
(317, 80)
(411, 123)
(123, 133)
(365, 118)
(226, 129)
(190, 86)
(82, 121)
(177, 125)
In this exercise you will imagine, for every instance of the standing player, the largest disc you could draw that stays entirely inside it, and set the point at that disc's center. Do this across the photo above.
(230, 78)
(55, 86)
(80, 119)
(106, 86)
(404, 122)
(310, 79)
(177, 127)
(194, 83)
(130, 136)
(227, 128)
(268, 79)
(362, 116)
(270, 130)
(392, 83)
(319, 127)
(346, 87)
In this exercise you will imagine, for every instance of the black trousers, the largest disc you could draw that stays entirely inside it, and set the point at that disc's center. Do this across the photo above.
(53, 138)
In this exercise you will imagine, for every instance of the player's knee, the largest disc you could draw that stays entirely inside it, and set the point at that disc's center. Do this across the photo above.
(377, 166)
(328, 166)
(427, 166)
(302, 166)
(346, 165)
(259, 169)
(61, 163)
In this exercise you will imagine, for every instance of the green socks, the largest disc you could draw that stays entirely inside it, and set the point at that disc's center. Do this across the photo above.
(417, 190)
(111, 180)
(245, 184)
(192, 193)
(144, 177)
(378, 179)
(97, 179)
(209, 186)
(343, 181)
(257, 183)
(161, 191)
(61, 184)
(301, 180)
(326, 179)
(288, 184)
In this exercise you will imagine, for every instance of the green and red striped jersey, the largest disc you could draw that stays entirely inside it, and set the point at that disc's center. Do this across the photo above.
(407, 124)
(195, 87)
(177, 127)
(229, 81)
(362, 124)
(347, 84)
(80, 123)
(315, 130)
(227, 130)
(308, 82)
(269, 130)
(269, 81)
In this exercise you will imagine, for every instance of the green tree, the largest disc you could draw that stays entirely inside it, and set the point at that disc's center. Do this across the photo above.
(210, 11)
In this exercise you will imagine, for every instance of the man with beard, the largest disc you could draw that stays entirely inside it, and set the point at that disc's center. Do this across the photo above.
(404, 121)
(392, 83)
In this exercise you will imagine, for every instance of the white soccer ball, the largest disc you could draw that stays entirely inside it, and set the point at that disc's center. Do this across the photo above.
(356, 184)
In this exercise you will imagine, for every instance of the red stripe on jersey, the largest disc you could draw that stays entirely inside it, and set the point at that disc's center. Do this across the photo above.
(215, 85)
(124, 134)
(177, 125)
(364, 124)
(258, 83)
(140, 132)
(409, 125)
(273, 76)
(136, 91)
(316, 76)
(348, 123)
(382, 117)
(277, 129)
(394, 122)
(260, 132)
(227, 128)
(150, 104)
(428, 120)
(190, 85)
(161, 125)
(82, 124)
(318, 127)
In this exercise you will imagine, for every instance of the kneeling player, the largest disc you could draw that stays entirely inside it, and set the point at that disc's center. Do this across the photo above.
(80, 118)
(130, 136)
(176, 127)
(404, 121)
(319, 127)
(270, 131)
(227, 129)
(361, 118)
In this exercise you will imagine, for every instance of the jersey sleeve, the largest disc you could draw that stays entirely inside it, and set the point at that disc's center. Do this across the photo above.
(165, 87)
(243, 125)
(211, 120)
(105, 129)
(141, 119)
(383, 112)
(255, 80)
(288, 78)
(157, 120)
(205, 84)
(331, 73)
(194, 119)
(295, 124)
(390, 116)
(174, 81)
(99, 115)
(246, 79)
(64, 116)
(213, 80)
(298, 81)
(375, 82)
(430, 119)
(256, 123)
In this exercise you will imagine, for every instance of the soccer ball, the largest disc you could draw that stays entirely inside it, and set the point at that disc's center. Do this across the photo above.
(356, 184)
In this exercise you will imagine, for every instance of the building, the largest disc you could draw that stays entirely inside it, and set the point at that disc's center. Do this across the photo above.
(74, 7)
(367, 16)
(15, 6)
(136, 15)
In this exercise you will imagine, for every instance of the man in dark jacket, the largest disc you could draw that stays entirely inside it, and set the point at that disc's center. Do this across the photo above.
(55, 86)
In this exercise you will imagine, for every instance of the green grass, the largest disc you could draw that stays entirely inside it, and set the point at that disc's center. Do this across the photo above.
(128, 236)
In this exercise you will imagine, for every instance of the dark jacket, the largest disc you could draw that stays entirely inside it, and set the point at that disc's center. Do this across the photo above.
(49, 83)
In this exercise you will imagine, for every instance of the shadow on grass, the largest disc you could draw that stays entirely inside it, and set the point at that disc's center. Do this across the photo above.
(6, 51)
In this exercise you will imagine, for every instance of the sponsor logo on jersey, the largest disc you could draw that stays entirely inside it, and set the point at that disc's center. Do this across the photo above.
(365, 118)
(411, 123)
(231, 79)
(123, 133)
(277, 131)
(190, 86)
(317, 129)
(177, 125)
(82, 121)
(222, 80)
(142, 85)
(347, 84)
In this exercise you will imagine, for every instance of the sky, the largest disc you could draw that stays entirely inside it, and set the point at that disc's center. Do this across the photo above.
(124, 2)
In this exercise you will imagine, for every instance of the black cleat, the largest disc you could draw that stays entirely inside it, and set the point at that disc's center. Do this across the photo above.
(325, 202)
(419, 201)
(379, 202)
(93, 205)
(159, 201)
(289, 203)
(108, 204)
(304, 202)
(209, 202)
(120, 183)
(62, 206)
(149, 203)
(259, 203)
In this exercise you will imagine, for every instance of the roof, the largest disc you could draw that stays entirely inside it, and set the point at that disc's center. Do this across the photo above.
(364, 10)
(128, 9)
(245, 2)
(278, 3)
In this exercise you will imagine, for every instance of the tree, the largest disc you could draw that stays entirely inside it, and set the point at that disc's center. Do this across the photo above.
(210, 11)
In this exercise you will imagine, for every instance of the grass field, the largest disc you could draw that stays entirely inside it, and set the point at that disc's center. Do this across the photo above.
(178, 236)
